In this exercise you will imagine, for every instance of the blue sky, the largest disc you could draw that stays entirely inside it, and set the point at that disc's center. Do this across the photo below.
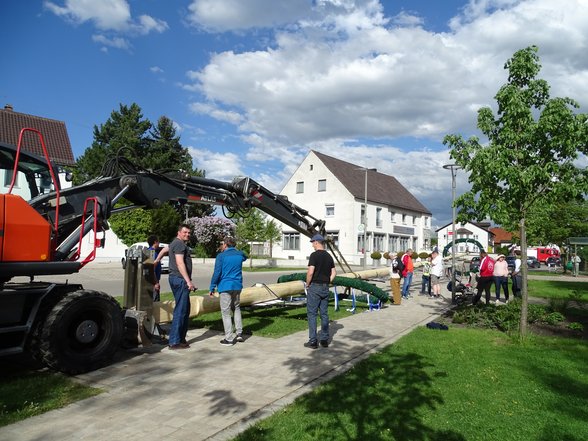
(252, 85)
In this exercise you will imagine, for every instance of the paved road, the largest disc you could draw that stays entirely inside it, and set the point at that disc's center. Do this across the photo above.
(109, 277)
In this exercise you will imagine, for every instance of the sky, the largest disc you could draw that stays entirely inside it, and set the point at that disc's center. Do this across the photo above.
(253, 85)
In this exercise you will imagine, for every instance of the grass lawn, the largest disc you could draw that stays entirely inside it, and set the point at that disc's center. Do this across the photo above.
(25, 393)
(464, 384)
(559, 289)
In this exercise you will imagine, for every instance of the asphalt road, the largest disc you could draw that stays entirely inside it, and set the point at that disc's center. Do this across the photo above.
(109, 277)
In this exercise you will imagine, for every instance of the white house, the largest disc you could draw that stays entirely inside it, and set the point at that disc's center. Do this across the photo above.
(469, 237)
(336, 191)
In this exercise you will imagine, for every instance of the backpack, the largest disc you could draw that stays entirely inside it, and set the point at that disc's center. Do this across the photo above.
(397, 265)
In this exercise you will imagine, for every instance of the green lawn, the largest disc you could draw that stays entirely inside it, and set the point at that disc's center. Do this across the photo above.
(559, 289)
(463, 384)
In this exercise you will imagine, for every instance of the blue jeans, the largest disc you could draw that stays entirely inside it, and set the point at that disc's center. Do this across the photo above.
(317, 299)
(181, 319)
(406, 284)
(501, 281)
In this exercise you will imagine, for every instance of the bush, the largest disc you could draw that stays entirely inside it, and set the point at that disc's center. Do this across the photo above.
(423, 255)
(554, 318)
(414, 255)
(387, 255)
(575, 326)
(376, 255)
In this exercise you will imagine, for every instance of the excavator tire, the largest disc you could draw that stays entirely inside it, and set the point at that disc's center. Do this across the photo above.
(82, 332)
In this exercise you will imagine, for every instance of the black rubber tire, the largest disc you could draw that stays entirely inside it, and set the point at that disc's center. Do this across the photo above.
(82, 332)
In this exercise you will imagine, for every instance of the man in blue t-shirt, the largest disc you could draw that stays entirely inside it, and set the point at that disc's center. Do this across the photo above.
(227, 278)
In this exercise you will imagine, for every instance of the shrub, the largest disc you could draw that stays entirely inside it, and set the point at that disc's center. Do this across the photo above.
(414, 255)
(575, 326)
(376, 255)
(423, 255)
(554, 318)
(387, 255)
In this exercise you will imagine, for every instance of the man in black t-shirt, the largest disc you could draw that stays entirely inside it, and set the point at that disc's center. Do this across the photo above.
(321, 272)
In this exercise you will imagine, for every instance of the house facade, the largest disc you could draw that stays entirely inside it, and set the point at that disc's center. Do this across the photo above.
(60, 153)
(336, 191)
(468, 235)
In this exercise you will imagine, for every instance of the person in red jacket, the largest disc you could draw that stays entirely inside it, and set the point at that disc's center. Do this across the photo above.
(486, 277)
(407, 273)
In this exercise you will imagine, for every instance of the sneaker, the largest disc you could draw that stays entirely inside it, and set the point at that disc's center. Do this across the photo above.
(324, 343)
(240, 338)
(311, 344)
(226, 342)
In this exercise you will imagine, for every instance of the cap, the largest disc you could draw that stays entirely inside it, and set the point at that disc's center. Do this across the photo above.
(318, 238)
(500, 255)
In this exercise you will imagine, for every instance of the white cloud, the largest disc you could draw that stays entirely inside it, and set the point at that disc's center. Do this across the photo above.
(221, 166)
(223, 15)
(115, 42)
(156, 69)
(345, 77)
(113, 16)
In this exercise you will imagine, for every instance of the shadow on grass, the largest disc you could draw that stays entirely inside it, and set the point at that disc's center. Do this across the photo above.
(355, 405)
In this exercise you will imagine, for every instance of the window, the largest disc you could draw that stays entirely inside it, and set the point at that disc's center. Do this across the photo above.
(311, 167)
(392, 214)
(426, 221)
(404, 218)
(8, 178)
(362, 215)
(329, 210)
(379, 219)
(393, 243)
(322, 185)
(360, 243)
(334, 236)
(379, 242)
(414, 220)
(300, 187)
(404, 243)
(291, 241)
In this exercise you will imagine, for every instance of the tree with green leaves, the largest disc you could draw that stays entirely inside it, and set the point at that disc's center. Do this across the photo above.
(529, 159)
(250, 228)
(124, 133)
(273, 234)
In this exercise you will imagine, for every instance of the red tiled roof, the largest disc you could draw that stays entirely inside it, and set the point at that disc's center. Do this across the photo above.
(54, 132)
(501, 235)
(383, 189)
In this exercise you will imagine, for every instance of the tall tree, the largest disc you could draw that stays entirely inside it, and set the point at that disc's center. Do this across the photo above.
(533, 142)
(124, 133)
(273, 233)
(250, 228)
(164, 151)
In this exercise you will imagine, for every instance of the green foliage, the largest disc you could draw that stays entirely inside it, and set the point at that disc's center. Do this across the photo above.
(386, 255)
(423, 255)
(376, 255)
(132, 226)
(553, 318)
(125, 133)
(273, 233)
(529, 160)
(575, 326)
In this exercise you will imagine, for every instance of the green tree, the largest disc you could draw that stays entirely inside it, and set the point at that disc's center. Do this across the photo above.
(273, 234)
(250, 228)
(529, 159)
(124, 133)
(164, 150)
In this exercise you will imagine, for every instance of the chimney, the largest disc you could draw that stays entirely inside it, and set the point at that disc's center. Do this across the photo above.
(8, 107)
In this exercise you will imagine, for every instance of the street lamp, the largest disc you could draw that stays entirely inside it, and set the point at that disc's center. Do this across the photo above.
(453, 168)
(365, 217)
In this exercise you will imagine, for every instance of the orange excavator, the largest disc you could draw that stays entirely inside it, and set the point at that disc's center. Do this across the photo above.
(42, 225)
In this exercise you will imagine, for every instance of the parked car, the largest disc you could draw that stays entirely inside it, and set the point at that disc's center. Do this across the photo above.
(533, 262)
(164, 260)
(475, 264)
(553, 261)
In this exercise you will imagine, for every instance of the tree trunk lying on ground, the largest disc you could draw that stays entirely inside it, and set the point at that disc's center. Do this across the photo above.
(163, 311)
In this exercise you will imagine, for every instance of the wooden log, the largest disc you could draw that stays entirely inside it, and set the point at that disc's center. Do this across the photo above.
(163, 311)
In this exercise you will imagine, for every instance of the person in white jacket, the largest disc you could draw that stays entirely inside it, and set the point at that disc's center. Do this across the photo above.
(501, 277)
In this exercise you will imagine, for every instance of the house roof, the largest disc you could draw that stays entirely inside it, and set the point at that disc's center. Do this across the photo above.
(383, 189)
(54, 133)
(501, 235)
(482, 225)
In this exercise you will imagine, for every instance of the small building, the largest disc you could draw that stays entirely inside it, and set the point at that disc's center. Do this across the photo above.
(337, 191)
(469, 236)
